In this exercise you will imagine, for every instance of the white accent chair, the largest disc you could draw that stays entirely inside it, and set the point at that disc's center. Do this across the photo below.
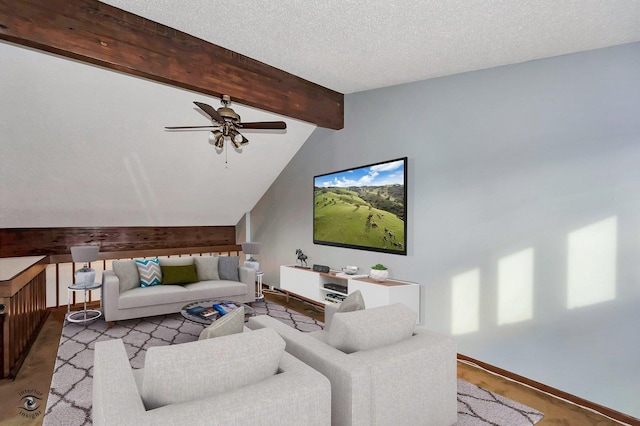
(241, 379)
(384, 370)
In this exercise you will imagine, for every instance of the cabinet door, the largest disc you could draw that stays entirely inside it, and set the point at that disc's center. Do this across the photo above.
(304, 282)
(375, 295)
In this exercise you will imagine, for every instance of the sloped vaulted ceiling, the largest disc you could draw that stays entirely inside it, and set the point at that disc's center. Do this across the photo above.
(85, 146)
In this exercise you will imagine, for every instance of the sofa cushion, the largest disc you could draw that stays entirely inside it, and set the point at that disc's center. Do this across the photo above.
(179, 274)
(228, 268)
(184, 372)
(177, 261)
(149, 272)
(353, 302)
(221, 289)
(371, 328)
(127, 273)
(207, 268)
(231, 323)
(156, 295)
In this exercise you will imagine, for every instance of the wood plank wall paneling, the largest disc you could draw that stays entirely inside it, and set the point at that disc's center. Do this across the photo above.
(97, 33)
(15, 242)
(25, 313)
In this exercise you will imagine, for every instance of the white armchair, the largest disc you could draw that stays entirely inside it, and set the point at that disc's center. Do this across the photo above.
(241, 379)
(387, 371)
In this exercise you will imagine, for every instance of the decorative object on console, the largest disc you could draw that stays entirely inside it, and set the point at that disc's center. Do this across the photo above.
(149, 271)
(379, 273)
(350, 270)
(321, 268)
(85, 254)
(251, 248)
(302, 258)
(363, 208)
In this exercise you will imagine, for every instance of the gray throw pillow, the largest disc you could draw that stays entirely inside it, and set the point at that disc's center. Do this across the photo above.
(231, 323)
(127, 273)
(228, 268)
(207, 268)
(353, 302)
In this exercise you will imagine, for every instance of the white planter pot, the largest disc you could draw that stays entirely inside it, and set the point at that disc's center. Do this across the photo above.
(379, 275)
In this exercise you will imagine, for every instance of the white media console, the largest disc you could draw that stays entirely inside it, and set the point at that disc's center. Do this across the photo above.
(311, 285)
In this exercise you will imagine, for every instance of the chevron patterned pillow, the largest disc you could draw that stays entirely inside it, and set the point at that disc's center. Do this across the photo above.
(150, 272)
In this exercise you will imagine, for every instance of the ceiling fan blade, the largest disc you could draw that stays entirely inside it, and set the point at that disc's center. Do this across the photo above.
(211, 111)
(264, 125)
(190, 127)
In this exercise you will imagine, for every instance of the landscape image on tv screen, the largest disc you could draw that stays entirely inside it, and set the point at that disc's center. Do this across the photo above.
(362, 208)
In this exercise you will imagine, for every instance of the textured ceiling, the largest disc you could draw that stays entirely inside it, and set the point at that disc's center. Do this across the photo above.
(365, 44)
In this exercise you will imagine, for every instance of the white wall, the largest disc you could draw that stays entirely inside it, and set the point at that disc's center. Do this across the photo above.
(85, 146)
(523, 212)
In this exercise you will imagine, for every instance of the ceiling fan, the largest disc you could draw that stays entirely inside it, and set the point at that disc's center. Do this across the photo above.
(227, 123)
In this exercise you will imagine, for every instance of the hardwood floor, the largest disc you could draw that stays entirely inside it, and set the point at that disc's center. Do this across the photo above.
(556, 411)
(35, 377)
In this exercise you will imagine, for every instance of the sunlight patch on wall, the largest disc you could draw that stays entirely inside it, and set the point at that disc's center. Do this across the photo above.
(465, 302)
(591, 274)
(515, 287)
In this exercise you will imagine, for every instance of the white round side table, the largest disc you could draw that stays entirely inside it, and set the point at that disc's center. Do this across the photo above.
(259, 294)
(85, 315)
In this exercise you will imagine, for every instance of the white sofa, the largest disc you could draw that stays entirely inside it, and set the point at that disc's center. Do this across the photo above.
(383, 369)
(123, 297)
(241, 379)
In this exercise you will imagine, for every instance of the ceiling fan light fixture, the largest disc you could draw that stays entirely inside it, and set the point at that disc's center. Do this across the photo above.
(228, 122)
(216, 138)
(238, 139)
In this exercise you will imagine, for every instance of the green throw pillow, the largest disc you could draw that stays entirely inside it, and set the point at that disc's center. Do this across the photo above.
(183, 274)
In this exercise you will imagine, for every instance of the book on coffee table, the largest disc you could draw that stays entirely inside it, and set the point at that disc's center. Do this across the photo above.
(228, 306)
(197, 310)
(208, 312)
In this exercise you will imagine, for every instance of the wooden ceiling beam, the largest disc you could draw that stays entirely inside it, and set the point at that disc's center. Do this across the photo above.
(100, 34)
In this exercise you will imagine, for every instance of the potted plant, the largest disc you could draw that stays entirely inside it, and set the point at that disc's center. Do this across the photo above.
(379, 272)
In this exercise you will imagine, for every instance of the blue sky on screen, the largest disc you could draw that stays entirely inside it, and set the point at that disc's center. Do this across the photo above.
(378, 175)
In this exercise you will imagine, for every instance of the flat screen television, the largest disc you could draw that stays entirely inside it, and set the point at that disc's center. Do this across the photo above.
(363, 208)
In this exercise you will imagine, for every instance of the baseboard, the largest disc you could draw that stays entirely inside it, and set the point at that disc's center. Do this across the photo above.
(605, 411)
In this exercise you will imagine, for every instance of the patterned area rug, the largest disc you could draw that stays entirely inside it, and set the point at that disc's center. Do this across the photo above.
(70, 396)
(477, 406)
